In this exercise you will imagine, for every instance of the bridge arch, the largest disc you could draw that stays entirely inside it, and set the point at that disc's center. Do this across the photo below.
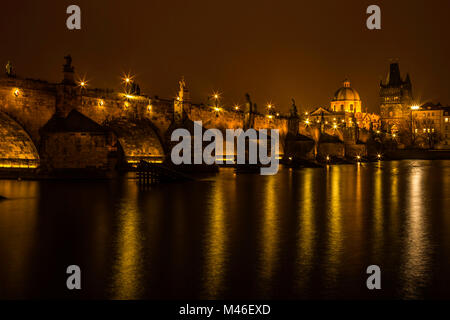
(17, 149)
(138, 138)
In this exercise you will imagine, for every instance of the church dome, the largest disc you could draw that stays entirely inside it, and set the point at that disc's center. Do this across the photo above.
(346, 93)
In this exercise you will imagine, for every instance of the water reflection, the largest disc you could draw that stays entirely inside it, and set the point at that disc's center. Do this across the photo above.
(216, 240)
(302, 233)
(335, 235)
(128, 264)
(417, 256)
(18, 220)
(378, 211)
(306, 229)
(270, 225)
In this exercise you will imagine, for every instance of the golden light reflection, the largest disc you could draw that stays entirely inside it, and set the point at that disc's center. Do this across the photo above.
(415, 265)
(128, 268)
(378, 209)
(394, 192)
(270, 231)
(216, 243)
(306, 229)
(334, 247)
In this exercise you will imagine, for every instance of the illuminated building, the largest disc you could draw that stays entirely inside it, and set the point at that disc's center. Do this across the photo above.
(346, 99)
(345, 111)
(395, 99)
(430, 126)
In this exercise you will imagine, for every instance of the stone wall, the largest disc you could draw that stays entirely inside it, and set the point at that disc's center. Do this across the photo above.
(331, 149)
(78, 150)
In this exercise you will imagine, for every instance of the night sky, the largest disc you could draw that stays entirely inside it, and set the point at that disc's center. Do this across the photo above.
(275, 50)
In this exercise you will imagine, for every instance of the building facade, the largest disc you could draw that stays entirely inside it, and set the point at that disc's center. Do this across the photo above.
(430, 126)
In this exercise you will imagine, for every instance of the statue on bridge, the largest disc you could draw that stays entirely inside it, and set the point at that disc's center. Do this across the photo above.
(294, 112)
(250, 110)
(9, 69)
(248, 103)
(68, 65)
(183, 93)
(182, 84)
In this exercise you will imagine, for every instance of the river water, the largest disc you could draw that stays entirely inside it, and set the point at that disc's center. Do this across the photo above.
(301, 234)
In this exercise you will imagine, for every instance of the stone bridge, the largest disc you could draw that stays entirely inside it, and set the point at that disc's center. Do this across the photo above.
(53, 125)
(69, 126)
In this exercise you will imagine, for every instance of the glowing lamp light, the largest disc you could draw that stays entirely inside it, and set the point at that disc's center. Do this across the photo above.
(149, 107)
(394, 135)
(269, 116)
(335, 126)
(17, 92)
(236, 107)
(379, 156)
(328, 158)
(217, 109)
(126, 104)
(101, 103)
(269, 106)
(378, 131)
(127, 78)
(358, 157)
(278, 114)
(290, 158)
(415, 108)
(307, 122)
